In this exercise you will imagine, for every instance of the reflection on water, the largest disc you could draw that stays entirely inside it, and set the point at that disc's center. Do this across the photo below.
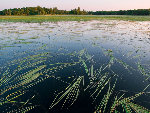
(75, 67)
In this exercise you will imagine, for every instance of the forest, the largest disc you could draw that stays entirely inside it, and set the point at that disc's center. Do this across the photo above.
(77, 11)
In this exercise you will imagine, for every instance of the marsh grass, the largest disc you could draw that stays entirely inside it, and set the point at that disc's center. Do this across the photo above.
(56, 18)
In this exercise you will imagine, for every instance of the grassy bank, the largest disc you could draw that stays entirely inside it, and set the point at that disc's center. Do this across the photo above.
(56, 18)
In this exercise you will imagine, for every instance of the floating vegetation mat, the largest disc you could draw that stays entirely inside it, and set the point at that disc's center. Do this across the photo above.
(75, 67)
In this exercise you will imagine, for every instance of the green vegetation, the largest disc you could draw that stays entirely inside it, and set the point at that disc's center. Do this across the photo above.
(55, 18)
(101, 85)
(41, 11)
(39, 14)
(55, 11)
(49, 76)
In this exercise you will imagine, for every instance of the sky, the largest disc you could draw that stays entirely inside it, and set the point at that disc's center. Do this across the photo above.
(89, 5)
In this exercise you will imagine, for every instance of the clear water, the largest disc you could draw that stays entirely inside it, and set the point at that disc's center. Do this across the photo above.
(38, 61)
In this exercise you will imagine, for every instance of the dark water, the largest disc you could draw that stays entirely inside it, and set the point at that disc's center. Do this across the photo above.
(74, 67)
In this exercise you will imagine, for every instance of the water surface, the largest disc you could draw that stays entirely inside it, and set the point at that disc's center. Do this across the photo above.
(74, 67)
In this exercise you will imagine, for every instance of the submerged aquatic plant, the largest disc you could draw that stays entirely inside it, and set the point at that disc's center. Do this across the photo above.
(52, 72)
(143, 71)
(128, 105)
(70, 94)
(14, 84)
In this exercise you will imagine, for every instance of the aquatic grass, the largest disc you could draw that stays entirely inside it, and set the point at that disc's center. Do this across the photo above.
(23, 110)
(85, 66)
(22, 42)
(126, 102)
(138, 108)
(56, 18)
(21, 81)
(102, 107)
(35, 37)
(109, 53)
(40, 67)
(14, 86)
(143, 71)
(100, 85)
(70, 94)
(98, 81)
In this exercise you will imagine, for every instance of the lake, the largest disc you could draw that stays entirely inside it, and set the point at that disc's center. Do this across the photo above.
(75, 67)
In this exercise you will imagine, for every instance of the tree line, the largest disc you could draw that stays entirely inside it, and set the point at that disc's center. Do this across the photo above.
(77, 11)
(123, 12)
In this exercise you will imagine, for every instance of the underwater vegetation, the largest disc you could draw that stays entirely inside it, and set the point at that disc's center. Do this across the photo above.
(75, 67)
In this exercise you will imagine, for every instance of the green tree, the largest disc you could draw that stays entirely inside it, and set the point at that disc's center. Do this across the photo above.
(78, 11)
(27, 11)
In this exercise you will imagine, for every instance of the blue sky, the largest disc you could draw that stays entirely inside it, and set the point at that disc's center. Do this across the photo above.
(84, 4)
